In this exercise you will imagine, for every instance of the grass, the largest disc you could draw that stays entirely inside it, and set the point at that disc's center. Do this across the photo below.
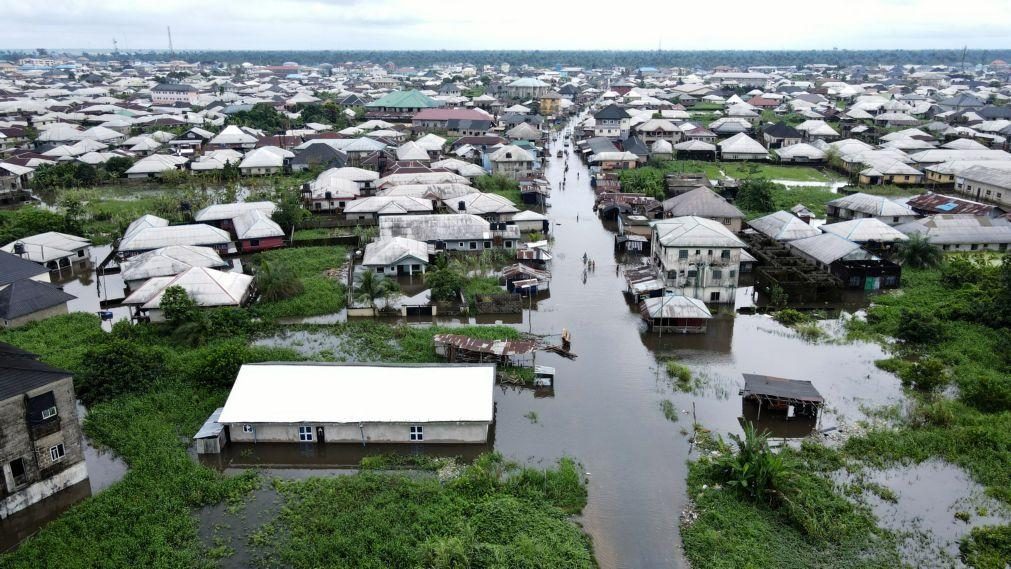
(493, 513)
(313, 233)
(812, 197)
(322, 294)
(145, 519)
(734, 531)
(477, 286)
(779, 172)
(890, 190)
(977, 362)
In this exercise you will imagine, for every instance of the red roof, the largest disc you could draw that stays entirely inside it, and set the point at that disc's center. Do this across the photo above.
(437, 114)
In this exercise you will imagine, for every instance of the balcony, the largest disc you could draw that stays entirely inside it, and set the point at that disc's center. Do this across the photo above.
(39, 430)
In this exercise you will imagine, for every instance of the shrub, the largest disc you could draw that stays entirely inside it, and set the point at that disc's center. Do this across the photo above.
(928, 374)
(754, 469)
(919, 327)
(790, 317)
(678, 371)
(445, 283)
(117, 366)
(987, 547)
(177, 306)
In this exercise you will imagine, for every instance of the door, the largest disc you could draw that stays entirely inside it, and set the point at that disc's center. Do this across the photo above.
(320, 435)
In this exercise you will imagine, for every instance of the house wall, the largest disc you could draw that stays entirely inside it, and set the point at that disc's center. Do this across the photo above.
(249, 245)
(35, 316)
(446, 432)
(260, 171)
(983, 192)
(512, 170)
(739, 156)
(16, 442)
(712, 273)
(846, 213)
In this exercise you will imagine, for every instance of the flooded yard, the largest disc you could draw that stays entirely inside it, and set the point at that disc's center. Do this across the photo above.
(606, 408)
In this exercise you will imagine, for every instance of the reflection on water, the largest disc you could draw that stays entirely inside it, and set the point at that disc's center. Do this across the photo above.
(927, 497)
(104, 469)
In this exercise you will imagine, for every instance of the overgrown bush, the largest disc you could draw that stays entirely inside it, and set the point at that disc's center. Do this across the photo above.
(987, 547)
(753, 469)
(115, 367)
(919, 327)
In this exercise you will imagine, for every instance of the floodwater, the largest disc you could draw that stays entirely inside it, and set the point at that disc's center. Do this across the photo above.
(605, 409)
(104, 469)
(927, 498)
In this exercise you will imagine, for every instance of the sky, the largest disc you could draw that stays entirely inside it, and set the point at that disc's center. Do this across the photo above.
(513, 24)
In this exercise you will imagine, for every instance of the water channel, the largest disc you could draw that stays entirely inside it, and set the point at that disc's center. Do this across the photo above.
(605, 408)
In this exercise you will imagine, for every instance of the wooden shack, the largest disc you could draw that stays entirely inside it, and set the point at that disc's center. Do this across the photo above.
(791, 397)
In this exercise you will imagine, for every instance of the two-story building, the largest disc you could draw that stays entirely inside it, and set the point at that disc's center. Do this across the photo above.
(697, 257)
(41, 447)
(612, 122)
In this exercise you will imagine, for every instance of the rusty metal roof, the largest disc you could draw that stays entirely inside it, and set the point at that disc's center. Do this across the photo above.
(496, 347)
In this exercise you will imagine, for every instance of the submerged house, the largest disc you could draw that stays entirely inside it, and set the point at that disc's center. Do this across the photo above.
(167, 262)
(675, 313)
(697, 257)
(396, 256)
(854, 266)
(360, 404)
(207, 287)
(41, 448)
(25, 292)
(453, 232)
(52, 249)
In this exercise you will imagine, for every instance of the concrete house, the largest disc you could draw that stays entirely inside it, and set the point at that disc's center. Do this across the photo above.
(861, 205)
(697, 257)
(25, 292)
(511, 161)
(703, 202)
(41, 449)
(207, 287)
(452, 232)
(52, 249)
(396, 256)
(172, 93)
(611, 122)
(360, 404)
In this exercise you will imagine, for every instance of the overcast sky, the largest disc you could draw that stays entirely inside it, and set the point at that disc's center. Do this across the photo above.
(512, 24)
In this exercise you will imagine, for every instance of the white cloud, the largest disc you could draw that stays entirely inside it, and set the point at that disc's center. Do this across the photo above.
(520, 24)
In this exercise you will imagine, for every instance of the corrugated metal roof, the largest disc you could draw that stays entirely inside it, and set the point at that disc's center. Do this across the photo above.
(295, 393)
(493, 347)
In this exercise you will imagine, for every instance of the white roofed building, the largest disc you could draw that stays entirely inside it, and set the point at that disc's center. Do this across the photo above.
(357, 403)
(207, 287)
(396, 256)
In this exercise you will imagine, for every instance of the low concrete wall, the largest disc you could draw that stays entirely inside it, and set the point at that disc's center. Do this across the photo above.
(374, 432)
(43, 489)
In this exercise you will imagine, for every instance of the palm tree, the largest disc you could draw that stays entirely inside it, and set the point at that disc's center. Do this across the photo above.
(276, 281)
(369, 286)
(919, 253)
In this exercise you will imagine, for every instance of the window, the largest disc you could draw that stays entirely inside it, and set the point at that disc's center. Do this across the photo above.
(247, 428)
(710, 252)
(18, 472)
(81, 253)
(254, 242)
(417, 433)
(717, 274)
(509, 244)
(725, 254)
(895, 220)
(692, 273)
(48, 413)
(487, 244)
(974, 247)
(305, 434)
(698, 251)
(473, 244)
(683, 254)
(714, 297)
(56, 453)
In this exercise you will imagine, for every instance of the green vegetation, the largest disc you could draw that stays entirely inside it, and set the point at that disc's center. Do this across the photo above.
(370, 286)
(318, 270)
(313, 233)
(501, 185)
(987, 547)
(669, 411)
(919, 253)
(680, 373)
(493, 514)
(146, 519)
(740, 170)
(813, 199)
(889, 190)
(646, 180)
(953, 327)
(762, 509)
(30, 220)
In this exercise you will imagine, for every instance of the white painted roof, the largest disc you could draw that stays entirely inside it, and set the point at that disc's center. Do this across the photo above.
(393, 249)
(334, 393)
(864, 230)
(207, 287)
(691, 231)
(254, 224)
(169, 261)
(232, 210)
(148, 238)
(232, 134)
(677, 306)
(783, 226)
(47, 246)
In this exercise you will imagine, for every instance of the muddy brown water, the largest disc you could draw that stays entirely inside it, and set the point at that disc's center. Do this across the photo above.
(605, 409)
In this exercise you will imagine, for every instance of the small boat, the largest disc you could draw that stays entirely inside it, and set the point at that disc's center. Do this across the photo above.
(558, 154)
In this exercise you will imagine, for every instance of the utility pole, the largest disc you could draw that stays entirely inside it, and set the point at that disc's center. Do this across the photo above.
(171, 50)
(115, 47)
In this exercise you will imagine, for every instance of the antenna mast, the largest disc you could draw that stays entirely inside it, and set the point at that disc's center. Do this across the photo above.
(171, 50)
(115, 46)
